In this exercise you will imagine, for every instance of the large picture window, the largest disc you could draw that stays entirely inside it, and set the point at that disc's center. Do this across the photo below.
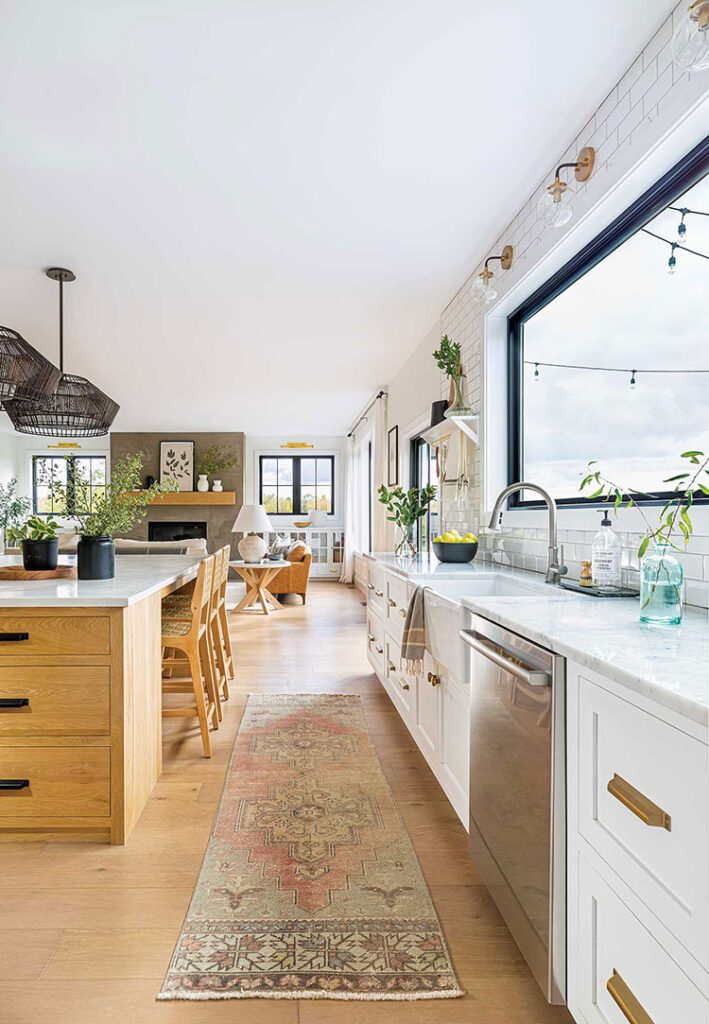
(424, 471)
(610, 359)
(51, 471)
(296, 484)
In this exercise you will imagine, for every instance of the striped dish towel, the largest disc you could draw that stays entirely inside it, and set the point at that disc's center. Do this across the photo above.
(414, 639)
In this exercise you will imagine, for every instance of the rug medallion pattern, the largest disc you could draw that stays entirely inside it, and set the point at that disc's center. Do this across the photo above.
(310, 887)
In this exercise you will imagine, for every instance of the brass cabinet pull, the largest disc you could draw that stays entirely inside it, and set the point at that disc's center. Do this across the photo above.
(370, 586)
(370, 637)
(402, 612)
(433, 679)
(404, 686)
(392, 604)
(641, 806)
(379, 593)
(391, 666)
(626, 1000)
(379, 650)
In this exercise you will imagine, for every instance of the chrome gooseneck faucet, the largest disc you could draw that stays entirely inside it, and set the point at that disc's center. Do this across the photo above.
(555, 561)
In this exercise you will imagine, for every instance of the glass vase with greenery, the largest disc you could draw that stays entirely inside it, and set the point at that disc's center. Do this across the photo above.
(14, 508)
(661, 572)
(405, 508)
(448, 359)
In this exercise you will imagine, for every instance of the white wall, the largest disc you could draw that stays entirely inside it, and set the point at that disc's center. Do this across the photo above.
(8, 457)
(322, 445)
(417, 384)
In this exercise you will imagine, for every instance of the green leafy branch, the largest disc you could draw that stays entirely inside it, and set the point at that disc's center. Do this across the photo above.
(675, 520)
(448, 357)
(406, 507)
(35, 528)
(13, 508)
(217, 459)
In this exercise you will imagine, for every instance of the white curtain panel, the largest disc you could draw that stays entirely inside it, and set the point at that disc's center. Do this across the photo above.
(353, 503)
(379, 474)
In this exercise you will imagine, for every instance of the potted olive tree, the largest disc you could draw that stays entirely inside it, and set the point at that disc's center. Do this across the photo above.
(40, 545)
(104, 511)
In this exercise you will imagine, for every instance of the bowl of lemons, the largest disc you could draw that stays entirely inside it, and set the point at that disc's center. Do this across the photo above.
(452, 547)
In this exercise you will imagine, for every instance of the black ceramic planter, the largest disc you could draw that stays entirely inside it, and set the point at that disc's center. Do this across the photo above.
(40, 555)
(96, 558)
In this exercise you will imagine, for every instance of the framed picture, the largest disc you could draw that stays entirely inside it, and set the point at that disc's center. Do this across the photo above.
(177, 463)
(393, 459)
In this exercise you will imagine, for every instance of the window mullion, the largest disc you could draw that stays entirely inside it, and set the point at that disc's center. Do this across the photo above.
(296, 485)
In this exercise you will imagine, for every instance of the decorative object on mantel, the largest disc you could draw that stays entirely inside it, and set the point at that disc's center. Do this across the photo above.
(216, 459)
(77, 408)
(217, 486)
(448, 359)
(40, 545)
(485, 290)
(23, 366)
(393, 456)
(308, 854)
(660, 572)
(13, 510)
(405, 509)
(18, 573)
(555, 208)
(101, 516)
(202, 483)
(251, 521)
(177, 464)
(690, 43)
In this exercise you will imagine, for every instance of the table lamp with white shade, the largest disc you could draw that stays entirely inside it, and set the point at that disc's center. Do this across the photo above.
(252, 520)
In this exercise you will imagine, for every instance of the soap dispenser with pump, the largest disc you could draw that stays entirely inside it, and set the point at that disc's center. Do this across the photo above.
(606, 557)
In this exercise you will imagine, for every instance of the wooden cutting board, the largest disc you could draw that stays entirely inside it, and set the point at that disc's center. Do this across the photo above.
(18, 572)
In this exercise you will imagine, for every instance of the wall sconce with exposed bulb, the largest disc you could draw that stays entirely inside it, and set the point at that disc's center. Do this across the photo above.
(555, 207)
(485, 290)
(690, 43)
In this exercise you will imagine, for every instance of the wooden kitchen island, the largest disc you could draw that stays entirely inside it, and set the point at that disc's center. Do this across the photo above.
(80, 699)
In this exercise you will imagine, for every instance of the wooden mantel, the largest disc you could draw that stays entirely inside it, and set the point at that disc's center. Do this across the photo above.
(194, 498)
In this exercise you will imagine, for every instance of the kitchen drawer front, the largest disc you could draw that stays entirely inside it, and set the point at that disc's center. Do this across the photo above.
(64, 782)
(613, 947)
(22, 636)
(375, 641)
(376, 589)
(397, 605)
(651, 768)
(61, 700)
(397, 684)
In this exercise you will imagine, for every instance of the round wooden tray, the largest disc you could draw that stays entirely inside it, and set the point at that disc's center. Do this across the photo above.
(18, 572)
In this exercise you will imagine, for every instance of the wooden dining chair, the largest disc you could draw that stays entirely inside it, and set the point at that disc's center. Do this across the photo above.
(224, 619)
(186, 640)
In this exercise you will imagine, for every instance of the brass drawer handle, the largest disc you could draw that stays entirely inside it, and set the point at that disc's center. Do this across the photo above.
(402, 612)
(640, 805)
(14, 783)
(7, 638)
(370, 586)
(370, 637)
(392, 604)
(433, 679)
(391, 666)
(379, 593)
(14, 702)
(379, 650)
(628, 1003)
(404, 686)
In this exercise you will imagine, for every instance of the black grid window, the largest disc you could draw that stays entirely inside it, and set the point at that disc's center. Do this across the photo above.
(424, 472)
(297, 484)
(50, 472)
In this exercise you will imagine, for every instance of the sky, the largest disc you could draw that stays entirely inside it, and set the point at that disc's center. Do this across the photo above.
(625, 312)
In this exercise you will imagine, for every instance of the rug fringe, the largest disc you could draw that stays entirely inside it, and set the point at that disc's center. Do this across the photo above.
(372, 997)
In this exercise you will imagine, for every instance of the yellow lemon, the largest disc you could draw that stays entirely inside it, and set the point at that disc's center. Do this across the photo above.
(448, 538)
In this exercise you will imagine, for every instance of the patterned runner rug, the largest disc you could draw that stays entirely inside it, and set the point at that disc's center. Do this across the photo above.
(310, 887)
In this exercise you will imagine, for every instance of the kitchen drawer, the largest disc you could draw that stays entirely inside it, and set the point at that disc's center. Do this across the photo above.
(375, 641)
(63, 782)
(614, 948)
(376, 585)
(652, 769)
(36, 635)
(397, 604)
(62, 700)
(398, 686)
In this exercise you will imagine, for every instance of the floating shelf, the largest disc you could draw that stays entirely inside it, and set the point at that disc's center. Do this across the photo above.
(443, 431)
(470, 425)
(194, 498)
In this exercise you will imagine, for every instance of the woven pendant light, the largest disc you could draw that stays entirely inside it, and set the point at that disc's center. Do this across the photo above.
(76, 409)
(22, 366)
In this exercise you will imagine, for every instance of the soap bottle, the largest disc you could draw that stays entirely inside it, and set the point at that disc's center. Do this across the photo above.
(606, 557)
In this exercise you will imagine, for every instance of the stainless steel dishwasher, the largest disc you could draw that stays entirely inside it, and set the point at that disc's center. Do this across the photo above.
(518, 791)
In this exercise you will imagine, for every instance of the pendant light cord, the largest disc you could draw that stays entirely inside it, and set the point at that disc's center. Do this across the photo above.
(61, 324)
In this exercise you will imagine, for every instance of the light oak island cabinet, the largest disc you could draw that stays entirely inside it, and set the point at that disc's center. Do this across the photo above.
(80, 700)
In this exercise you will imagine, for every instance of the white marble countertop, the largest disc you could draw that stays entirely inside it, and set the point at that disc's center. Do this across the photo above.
(667, 664)
(137, 576)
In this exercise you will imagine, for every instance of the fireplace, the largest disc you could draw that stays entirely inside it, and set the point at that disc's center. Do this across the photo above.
(176, 531)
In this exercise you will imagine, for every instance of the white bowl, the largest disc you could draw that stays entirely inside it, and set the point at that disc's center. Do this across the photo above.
(318, 517)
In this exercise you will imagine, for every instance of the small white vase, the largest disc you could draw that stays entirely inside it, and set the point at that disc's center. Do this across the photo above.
(202, 482)
(253, 548)
(217, 485)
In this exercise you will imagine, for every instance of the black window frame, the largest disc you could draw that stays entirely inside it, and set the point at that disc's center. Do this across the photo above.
(690, 170)
(417, 444)
(297, 496)
(70, 476)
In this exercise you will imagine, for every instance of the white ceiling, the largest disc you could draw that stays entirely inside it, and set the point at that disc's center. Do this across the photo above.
(268, 202)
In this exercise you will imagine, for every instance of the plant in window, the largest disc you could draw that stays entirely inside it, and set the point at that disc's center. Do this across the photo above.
(14, 508)
(448, 359)
(405, 508)
(661, 573)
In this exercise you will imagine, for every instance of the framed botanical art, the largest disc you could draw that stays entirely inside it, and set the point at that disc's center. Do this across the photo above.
(393, 457)
(177, 463)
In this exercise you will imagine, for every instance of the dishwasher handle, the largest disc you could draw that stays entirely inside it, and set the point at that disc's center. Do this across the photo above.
(507, 660)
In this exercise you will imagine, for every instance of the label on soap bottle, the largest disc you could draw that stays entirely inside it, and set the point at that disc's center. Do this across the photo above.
(606, 568)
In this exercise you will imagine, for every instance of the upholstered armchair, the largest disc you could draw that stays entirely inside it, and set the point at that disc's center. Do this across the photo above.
(294, 579)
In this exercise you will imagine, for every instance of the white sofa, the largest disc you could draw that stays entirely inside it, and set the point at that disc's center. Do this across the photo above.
(68, 540)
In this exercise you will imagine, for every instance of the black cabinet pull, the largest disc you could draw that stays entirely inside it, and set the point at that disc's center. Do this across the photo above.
(14, 702)
(13, 637)
(14, 783)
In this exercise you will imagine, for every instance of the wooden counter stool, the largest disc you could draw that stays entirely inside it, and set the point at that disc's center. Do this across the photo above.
(185, 638)
(223, 618)
(222, 655)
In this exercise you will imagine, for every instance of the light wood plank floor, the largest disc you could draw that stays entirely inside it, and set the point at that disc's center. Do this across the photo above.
(86, 931)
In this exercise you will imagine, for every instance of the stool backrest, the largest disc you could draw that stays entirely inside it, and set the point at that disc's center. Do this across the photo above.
(216, 581)
(206, 571)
